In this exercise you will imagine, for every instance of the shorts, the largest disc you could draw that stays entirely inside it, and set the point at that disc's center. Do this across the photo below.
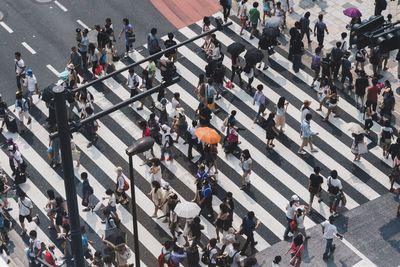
(254, 25)
(306, 140)
(27, 217)
(29, 93)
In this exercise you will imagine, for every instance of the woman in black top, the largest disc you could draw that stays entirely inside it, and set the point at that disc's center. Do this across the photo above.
(361, 86)
(271, 130)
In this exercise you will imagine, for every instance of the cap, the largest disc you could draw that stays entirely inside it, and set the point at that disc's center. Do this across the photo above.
(295, 198)
(118, 169)
(71, 66)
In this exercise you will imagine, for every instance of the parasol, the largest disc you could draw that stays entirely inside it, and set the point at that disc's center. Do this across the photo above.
(235, 49)
(355, 128)
(253, 56)
(352, 12)
(187, 210)
(115, 237)
(208, 135)
(274, 22)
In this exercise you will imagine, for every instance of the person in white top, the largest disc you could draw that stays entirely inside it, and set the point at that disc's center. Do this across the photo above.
(30, 82)
(335, 191)
(122, 196)
(290, 211)
(299, 216)
(25, 211)
(329, 231)
(16, 161)
(156, 195)
(280, 116)
(305, 109)
(234, 255)
(19, 69)
(112, 200)
(155, 170)
(35, 247)
(133, 82)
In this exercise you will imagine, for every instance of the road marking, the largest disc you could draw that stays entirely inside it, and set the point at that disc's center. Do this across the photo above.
(63, 8)
(53, 70)
(82, 24)
(5, 26)
(29, 48)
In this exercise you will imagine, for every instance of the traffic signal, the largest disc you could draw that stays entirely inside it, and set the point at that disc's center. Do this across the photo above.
(388, 40)
(362, 31)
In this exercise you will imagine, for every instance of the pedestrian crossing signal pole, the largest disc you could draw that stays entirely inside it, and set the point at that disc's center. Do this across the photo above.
(139, 146)
(69, 177)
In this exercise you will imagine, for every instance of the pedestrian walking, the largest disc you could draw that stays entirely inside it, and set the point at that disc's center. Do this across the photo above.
(87, 192)
(246, 163)
(336, 58)
(206, 197)
(307, 135)
(358, 147)
(305, 26)
(166, 142)
(19, 69)
(280, 13)
(280, 117)
(54, 151)
(49, 256)
(156, 196)
(22, 108)
(329, 231)
(153, 44)
(346, 71)
(121, 186)
(206, 28)
(319, 30)
(249, 224)
(296, 250)
(94, 56)
(368, 116)
(297, 49)
(305, 109)
(380, 5)
(243, 15)
(34, 248)
(375, 59)
(314, 187)
(226, 8)
(299, 216)
(398, 64)
(264, 45)
(83, 46)
(25, 207)
(193, 140)
(50, 207)
(222, 220)
(133, 82)
(335, 191)
(155, 170)
(91, 128)
(332, 99)
(361, 56)
(291, 207)
(210, 93)
(361, 85)
(112, 200)
(270, 130)
(261, 100)
(31, 84)
(87, 253)
(394, 174)
(249, 72)
(254, 17)
(211, 253)
(129, 35)
(372, 94)
(170, 42)
(316, 64)
(386, 136)
(195, 228)
(394, 148)
(268, 5)
(17, 163)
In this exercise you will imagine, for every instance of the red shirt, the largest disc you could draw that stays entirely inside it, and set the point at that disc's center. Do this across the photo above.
(372, 93)
(146, 132)
(49, 258)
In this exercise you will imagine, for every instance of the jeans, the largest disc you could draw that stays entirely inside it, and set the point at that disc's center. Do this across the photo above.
(328, 248)
(226, 11)
(296, 62)
(18, 79)
(307, 33)
(320, 39)
(236, 70)
(287, 230)
(335, 68)
(347, 74)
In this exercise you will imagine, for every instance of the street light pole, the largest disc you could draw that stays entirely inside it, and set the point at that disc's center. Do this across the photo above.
(69, 177)
(139, 146)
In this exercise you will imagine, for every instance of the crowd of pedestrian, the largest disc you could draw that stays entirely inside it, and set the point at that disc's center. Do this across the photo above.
(168, 126)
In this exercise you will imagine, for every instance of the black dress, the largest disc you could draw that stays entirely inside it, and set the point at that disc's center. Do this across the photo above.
(269, 128)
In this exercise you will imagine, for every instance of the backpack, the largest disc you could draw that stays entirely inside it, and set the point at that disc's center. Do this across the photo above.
(205, 258)
(332, 189)
(164, 258)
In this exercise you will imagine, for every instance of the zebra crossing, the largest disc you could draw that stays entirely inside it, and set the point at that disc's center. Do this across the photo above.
(276, 175)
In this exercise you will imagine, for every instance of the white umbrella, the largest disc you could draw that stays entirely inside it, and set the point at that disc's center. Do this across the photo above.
(187, 210)
(355, 128)
(274, 22)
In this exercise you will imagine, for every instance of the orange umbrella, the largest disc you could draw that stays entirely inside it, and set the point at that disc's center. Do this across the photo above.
(208, 135)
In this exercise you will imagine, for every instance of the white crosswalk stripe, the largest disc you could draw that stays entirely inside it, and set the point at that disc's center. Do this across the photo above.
(275, 177)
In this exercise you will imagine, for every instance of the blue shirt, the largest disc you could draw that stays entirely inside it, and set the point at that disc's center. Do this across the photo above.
(206, 191)
(85, 242)
(306, 129)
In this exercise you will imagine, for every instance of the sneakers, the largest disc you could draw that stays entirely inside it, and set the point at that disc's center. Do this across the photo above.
(301, 152)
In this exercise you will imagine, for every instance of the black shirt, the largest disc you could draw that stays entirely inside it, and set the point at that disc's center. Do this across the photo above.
(315, 180)
(361, 85)
(169, 43)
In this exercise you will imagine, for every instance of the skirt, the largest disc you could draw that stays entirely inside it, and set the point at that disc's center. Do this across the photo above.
(359, 149)
(280, 120)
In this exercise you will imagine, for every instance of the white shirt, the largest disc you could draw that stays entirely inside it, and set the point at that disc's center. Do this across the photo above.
(31, 82)
(25, 206)
(280, 111)
(329, 230)
(300, 221)
(17, 157)
(290, 210)
(112, 201)
(213, 252)
(304, 112)
(335, 182)
(36, 243)
(133, 81)
(175, 103)
(19, 66)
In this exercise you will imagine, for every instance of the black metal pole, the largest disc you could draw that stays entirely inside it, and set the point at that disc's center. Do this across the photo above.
(69, 177)
(134, 216)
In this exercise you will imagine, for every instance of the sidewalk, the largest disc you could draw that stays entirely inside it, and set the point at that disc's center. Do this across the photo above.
(336, 22)
(369, 239)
